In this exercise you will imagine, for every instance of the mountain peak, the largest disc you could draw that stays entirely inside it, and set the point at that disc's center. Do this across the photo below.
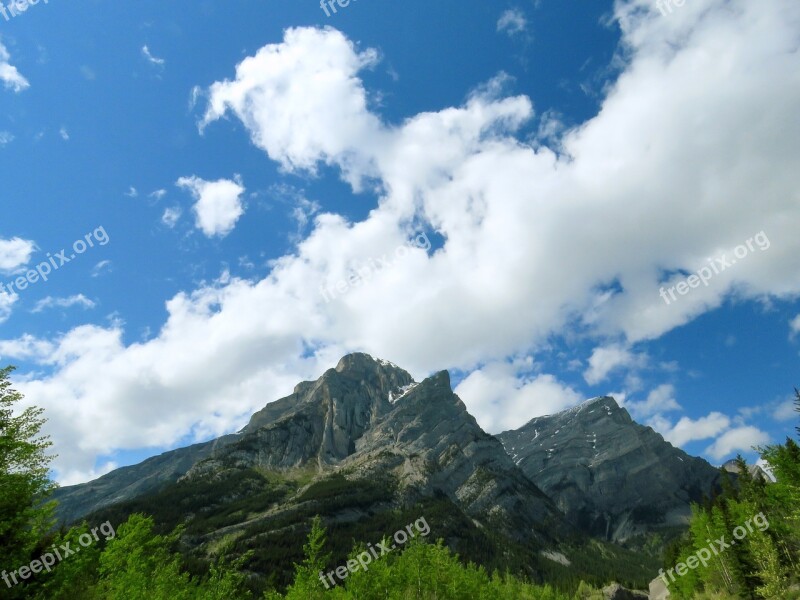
(603, 402)
(360, 361)
(600, 467)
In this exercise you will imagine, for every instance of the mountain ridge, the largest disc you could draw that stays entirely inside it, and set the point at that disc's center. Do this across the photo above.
(612, 477)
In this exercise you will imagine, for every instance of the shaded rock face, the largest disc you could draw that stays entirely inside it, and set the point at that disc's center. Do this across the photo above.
(610, 476)
(319, 423)
(366, 420)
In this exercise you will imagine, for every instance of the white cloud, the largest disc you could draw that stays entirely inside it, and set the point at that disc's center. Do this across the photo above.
(104, 266)
(606, 359)
(64, 134)
(15, 252)
(735, 440)
(88, 73)
(688, 430)
(26, 347)
(158, 194)
(785, 411)
(9, 75)
(75, 477)
(53, 302)
(218, 204)
(659, 400)
(171, 216)
(512, 22)
(530, 238)
(6, 137)
(794, 326)
(7, 301)
(132, 192)
(500, 400)
(303, 102)
(160, 62)
(303, 210)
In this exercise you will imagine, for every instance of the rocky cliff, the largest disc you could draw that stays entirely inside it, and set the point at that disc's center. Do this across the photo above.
(612, 477)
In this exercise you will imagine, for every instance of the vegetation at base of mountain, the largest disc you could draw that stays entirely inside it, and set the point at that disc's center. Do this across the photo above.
(762, 564)
(273, 513)
(138, 564)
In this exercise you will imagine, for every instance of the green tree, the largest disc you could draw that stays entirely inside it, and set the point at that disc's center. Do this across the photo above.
(24, 482)
(138, 564)
(307, 583)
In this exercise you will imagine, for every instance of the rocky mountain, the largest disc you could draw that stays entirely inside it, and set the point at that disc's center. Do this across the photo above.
(612, 477)
(368, 449)
(368, 420)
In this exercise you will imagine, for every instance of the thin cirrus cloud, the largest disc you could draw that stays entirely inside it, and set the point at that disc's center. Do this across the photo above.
(512, 22)
(153, 60)
(54, 302)
(218, 204)
(524, 218)
(171, 216)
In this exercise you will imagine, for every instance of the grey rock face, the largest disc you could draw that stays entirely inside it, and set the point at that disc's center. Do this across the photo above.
(368, 419)
(611, 477)
(433, 445)
(319, 424)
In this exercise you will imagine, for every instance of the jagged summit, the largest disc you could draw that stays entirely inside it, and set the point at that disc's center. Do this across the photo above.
(592, 409)
(611, 476)
(360, 361)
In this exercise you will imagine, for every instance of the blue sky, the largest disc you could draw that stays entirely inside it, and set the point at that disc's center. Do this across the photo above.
(515, 183)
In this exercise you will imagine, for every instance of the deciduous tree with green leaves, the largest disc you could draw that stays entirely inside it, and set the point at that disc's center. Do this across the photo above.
(24, 484)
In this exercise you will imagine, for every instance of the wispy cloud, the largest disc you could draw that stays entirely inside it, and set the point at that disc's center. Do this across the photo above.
(53, 302)
(6, 137)
(512, 22)
(154, 60)
(794, 327)
(171, 216)
(104, 266)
